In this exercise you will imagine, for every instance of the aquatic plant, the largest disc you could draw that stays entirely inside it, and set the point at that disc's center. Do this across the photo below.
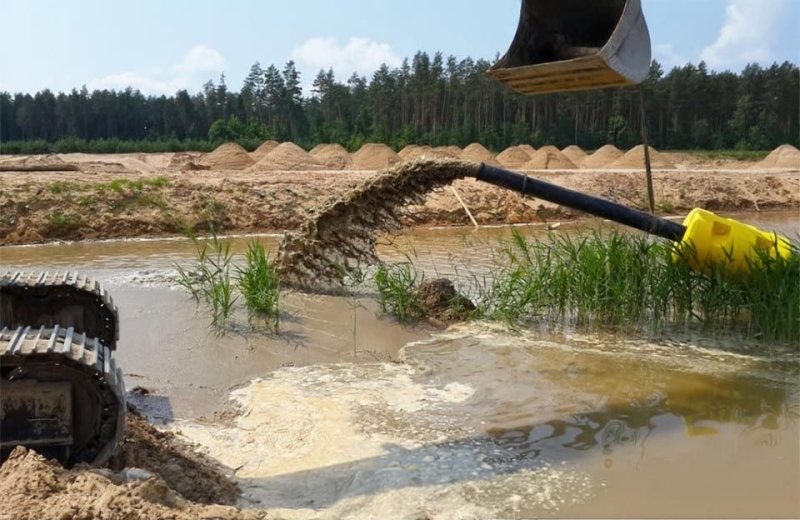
(209, 280)
(631, 281)
(259, 284)
(397, 286)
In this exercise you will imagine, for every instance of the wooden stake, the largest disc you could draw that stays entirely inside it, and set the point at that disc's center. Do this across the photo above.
(648, 171)
(469, 213)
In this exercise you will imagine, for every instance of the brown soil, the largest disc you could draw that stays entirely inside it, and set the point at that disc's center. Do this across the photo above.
(42, 207)
(265, 148)
(602, 158)
(530, 150)
(36, 163)
(180, 485)
(342, 234)
(513, 157)
(575, 154)
(287, 157)
(784, 157)
(332, 156)
(634, 160)
(478, 153)
(229, 156)
(374, 156)
(549, 158)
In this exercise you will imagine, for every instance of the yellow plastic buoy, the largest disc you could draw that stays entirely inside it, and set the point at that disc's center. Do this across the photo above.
(714, 240)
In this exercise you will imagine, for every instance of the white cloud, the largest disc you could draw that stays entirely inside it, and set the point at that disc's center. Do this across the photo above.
(746, 34)
(361, 55)
(665, 54)
(195, 68)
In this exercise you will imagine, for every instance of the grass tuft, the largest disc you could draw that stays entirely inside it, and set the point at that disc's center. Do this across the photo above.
(259, 284)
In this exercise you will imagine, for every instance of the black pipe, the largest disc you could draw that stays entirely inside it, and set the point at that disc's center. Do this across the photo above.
(580, 201)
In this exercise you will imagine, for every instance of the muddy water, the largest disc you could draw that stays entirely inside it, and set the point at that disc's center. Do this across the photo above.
(478, 422)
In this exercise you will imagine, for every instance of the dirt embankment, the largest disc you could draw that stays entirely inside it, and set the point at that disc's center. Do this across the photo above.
(178, 193)
(39, 208)
(154, 475)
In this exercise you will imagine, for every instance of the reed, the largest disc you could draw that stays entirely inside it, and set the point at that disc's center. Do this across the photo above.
(630, 281)
(260, 286)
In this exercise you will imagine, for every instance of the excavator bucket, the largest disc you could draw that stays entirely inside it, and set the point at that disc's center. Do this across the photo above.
(564, 45)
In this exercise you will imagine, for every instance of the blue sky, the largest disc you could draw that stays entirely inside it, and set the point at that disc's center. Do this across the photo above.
(161, 46)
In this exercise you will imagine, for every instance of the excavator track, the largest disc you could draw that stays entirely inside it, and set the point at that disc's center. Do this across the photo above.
(61, 392)
(58, 298)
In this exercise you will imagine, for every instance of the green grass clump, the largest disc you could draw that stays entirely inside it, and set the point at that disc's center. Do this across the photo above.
(210, 280)
(630, 281)
(397, 291)
(64, 223)
(259, 284)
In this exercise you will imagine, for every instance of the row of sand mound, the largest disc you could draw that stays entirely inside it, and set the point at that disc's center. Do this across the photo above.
(784, 157)
(288, 156)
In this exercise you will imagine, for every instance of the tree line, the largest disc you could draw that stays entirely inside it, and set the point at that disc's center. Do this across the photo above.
(426, 100)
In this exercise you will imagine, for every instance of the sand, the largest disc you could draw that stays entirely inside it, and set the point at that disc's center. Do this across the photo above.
(575, 154)
(332, 156)
(450, 151)
(477, 153)
(229, 156)
(265, 148)
(549, 158)
(374, 156)
(170, 481)
(288, 157)
(36, 163)
(784, 157)
(408, 150)
(513, 157)
(634, 160)
(602, 158)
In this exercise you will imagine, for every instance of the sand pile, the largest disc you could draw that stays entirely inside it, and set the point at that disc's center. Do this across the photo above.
(229, 156)
(36, 163)
(374, 156)
(477, 153)
(575, 154)
(530, 150)
(332, 156)
(513, 157)
(172, 482)
(549, 158)
(288, 157)
(634, 160)
(265, 148)
(426, 152)
(450, 151)
(340, 236)
(408, 150)
(784, 157)
(602, 158)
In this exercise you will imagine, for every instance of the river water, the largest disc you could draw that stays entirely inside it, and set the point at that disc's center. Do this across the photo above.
(347, 414)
